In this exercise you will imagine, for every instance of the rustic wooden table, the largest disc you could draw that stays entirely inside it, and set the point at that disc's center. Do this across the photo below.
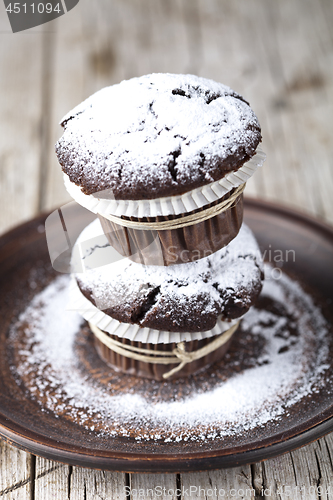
(279, 55)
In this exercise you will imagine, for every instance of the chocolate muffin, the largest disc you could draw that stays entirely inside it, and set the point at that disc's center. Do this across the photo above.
(156, 136)
(158, 148)
(163, 160)
(185, 298)
(156, 308)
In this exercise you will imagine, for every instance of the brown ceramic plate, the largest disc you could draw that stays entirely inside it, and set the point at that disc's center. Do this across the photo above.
(26, 424)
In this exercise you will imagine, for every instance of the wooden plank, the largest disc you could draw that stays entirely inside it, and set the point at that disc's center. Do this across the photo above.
(15, 473)
(152, 486)
(298, 125)
(323, 450)
(65, 92)
(223, 484)
(20, 124)
(308, 83)
(52, 480)
(306, 473)
(86, 484)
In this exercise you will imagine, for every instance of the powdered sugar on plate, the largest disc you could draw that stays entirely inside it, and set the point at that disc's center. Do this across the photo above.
(291, 363)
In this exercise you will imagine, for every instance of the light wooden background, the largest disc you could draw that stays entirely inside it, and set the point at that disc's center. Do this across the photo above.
(278, 54)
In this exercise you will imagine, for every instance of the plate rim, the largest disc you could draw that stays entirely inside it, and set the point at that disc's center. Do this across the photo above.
(166, 463)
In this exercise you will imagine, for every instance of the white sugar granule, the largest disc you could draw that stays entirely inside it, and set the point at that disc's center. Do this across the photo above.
(247, 400)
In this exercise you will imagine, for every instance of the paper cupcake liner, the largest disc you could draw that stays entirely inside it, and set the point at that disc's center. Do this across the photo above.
(175, 246)
(169, 205)
(154, 371)
(78, 302)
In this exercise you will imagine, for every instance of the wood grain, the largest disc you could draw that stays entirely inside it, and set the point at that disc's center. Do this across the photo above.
(52, 480)
(226, 484)
(278, 54)
(20, 124)
(100, 485)
(15, 473)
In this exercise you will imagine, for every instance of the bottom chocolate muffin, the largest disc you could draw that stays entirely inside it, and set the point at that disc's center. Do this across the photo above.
(169, 311)
(138, 351)
(158, 371)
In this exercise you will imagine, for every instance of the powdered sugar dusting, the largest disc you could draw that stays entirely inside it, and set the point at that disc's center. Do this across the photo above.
(157, 135)
(290, 366)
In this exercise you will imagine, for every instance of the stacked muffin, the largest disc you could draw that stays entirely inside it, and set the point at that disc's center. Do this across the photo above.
(169, 268)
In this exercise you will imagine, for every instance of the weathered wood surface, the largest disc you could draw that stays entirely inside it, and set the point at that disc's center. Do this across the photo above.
(279, 55)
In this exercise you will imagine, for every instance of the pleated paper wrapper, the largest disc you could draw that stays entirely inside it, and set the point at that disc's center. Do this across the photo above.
(169, 205)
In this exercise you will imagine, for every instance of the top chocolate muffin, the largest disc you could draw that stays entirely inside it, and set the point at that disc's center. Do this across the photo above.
(155, 136)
